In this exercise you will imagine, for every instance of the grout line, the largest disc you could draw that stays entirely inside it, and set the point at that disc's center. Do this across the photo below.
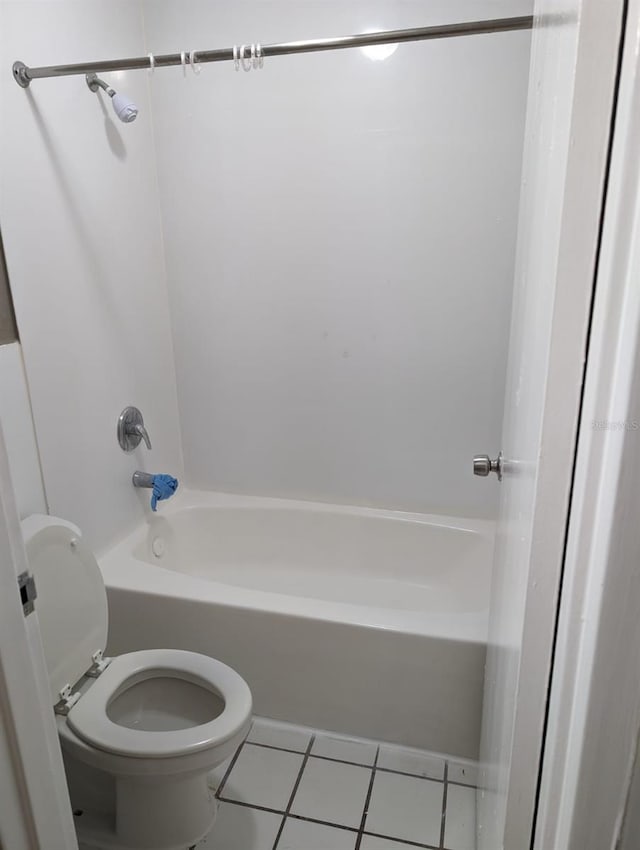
(351, 829)
(355, 763)
(462, 784)
(411, 775)
(232, 764)
(367, 800)
(444, 805)
(402, 841)
(282, 749)
(250, 806)
(295, 789)
(304, 818)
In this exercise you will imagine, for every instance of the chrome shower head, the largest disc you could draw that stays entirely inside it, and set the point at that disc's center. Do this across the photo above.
(125, 109)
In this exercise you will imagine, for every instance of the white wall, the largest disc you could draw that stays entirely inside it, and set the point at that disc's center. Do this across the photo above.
(82, 236)
(339, 236)
(17, 427)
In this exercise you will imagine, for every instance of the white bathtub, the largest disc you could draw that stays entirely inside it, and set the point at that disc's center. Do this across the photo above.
(359, 620)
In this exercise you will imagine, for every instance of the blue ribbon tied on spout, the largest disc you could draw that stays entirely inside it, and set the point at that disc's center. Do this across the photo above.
(164, 486)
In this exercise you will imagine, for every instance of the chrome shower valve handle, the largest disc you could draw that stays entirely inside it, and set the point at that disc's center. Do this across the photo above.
(131, 430)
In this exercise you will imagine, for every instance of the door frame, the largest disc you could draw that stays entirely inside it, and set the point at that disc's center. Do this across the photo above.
(574, 73)
(593, 733)
(35, 812)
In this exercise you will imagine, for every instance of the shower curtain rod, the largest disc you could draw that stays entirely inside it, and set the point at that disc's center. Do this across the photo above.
(23, 74)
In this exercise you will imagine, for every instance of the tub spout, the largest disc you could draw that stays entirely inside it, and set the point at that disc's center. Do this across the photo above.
(142, 479)
(162, 486)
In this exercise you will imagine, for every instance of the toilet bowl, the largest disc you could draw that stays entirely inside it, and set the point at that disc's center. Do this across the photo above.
(144, 727)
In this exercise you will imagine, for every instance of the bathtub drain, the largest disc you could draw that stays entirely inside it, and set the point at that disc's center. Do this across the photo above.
(158, 547)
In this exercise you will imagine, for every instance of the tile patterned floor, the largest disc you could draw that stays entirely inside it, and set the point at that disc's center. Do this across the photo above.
(291, 788)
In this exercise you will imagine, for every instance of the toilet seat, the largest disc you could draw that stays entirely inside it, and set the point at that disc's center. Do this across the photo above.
(89, 720)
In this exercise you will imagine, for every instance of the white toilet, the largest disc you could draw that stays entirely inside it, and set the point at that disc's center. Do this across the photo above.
(139, 732)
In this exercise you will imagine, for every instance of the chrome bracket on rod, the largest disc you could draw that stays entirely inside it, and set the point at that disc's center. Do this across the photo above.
(23, 74)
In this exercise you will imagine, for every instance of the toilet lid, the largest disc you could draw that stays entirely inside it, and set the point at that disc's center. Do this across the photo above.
(72, 601)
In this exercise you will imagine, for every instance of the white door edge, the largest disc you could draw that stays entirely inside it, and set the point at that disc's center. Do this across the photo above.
(594, 717)
(35, 812)
(575, 52)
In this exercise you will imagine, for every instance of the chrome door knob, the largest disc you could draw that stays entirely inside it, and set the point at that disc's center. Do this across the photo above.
(483, 465)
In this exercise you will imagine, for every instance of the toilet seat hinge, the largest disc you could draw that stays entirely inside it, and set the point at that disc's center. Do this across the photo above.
(67, 700)
(99, 665)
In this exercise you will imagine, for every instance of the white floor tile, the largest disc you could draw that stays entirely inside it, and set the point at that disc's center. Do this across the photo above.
(240, 828)
(372, 842)
(415, 762)
(465, 772)
(332, 792)
(460, 820)
(304, 835)
(216, 775)
(405, 807)
(263, 777)
(283, 735)
(344, 749)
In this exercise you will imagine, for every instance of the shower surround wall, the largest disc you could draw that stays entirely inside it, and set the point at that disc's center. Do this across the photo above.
(338, 236)
(82, 235)
(339, 239)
